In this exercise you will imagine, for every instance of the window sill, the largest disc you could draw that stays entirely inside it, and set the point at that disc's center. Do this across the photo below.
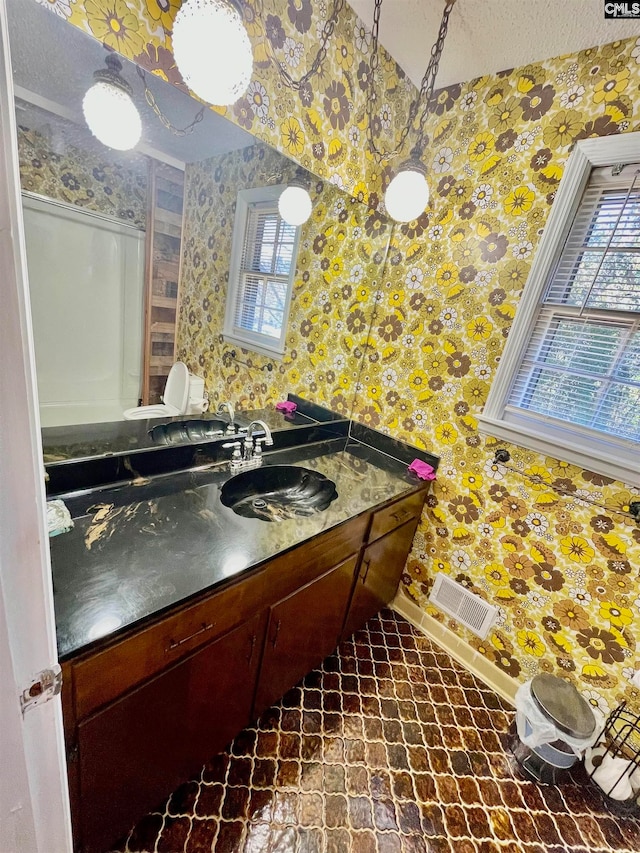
(250, 346)
(570, 446)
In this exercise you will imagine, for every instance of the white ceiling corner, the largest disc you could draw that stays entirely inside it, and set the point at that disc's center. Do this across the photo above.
(487, 36)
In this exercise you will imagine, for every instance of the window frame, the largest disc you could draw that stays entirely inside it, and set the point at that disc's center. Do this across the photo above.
(611, 456)
(254, 341)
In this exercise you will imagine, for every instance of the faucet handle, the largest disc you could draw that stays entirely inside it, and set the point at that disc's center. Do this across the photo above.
(237, 448)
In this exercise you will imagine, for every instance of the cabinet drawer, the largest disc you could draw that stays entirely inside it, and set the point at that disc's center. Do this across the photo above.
(393, 516)
(289, 572)
(103, 676)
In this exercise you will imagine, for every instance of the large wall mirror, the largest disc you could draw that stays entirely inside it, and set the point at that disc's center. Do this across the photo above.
(129, 252)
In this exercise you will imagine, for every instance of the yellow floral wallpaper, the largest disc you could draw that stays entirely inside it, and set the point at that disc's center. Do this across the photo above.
(322, 124)
(563, 569)
(341, 253)
(86, 174)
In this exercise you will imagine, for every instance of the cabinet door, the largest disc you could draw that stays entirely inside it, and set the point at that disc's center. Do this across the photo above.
(303, 629)
(379, 575)
(134, 752)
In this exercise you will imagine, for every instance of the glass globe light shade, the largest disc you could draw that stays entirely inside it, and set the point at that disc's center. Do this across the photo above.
(408, 193)
(112, 116)
(212, 50)
(294, 205)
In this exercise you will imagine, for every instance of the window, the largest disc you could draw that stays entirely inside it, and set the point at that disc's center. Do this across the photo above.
(261, 273)
(569, 380)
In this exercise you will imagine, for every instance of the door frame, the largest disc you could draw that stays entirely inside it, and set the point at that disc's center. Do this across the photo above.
(34, 800)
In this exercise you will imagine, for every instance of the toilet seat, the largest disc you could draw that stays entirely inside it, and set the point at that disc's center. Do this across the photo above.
(140, 413)
(174, 399)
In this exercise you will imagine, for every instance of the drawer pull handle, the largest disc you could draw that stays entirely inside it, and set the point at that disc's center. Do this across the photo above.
(365, 570)
(275, 637)
(174, 644)
(402, 513)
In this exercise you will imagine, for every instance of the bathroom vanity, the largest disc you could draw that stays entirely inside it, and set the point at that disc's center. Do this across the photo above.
(208, 617)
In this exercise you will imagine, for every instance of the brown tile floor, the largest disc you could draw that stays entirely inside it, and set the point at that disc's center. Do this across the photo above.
(391, 747)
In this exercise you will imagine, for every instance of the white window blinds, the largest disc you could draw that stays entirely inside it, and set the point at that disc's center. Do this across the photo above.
(267, 257)
(262, 270)
(582, 362)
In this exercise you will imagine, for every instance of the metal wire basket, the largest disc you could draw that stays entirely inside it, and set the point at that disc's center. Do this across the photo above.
(613, 763)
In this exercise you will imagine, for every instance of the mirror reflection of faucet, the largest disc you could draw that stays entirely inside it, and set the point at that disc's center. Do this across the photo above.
(231, 429)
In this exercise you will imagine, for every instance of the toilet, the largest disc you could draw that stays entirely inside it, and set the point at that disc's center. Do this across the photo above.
(183, 393)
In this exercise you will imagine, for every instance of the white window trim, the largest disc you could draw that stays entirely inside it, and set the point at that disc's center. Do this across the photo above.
(249, 340)
(608, 455)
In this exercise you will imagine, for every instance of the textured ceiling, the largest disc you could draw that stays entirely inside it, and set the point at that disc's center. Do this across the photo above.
(486, 36)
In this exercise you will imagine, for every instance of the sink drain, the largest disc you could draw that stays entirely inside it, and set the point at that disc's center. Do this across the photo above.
(258, 503)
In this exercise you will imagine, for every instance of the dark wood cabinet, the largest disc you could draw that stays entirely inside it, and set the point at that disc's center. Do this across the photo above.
(144, 711)
(133, 752)
(303, 629)
(379, 575)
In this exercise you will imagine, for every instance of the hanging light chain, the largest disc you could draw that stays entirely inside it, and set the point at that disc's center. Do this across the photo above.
(150, 99)
(429, 80)
(327, 32)
(426, 86)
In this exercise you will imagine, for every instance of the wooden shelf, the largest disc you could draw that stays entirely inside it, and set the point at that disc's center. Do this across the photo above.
(164, 249)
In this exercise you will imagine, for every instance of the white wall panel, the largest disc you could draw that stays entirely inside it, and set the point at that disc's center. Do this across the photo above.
(86, 277)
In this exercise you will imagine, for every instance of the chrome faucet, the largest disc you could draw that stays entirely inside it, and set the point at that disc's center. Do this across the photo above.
(248, 455)
(253, 453)
(231, 429)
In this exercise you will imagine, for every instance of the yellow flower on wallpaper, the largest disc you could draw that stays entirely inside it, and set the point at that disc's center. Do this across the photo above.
(519, 201)
(530, 643)
(539, 476)
(344, 54)
(472, 481)
(526, 82)
(496, 574)
(447, 274)
(336, 267)
(490, 164)
(292, 136)
(446, 433)
(577, 549)
(479, 329)
(611, 87)
(115, 25)
(562, 641)
(616, 544)
(618, 616)
(475, 391)
(562, 129)
(163, 11)
(505, 115)
(481, 147)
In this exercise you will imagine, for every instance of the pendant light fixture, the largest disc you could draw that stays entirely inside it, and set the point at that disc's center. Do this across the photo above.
(408, 192)
(294, 204)
(110, 113)
(212, 50)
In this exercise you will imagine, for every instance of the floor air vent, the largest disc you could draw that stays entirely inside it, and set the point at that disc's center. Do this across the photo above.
(467, 608)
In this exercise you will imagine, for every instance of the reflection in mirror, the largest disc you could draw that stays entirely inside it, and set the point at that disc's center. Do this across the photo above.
(129, 253)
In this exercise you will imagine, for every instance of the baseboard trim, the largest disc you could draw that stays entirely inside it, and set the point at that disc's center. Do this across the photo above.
(504, 685)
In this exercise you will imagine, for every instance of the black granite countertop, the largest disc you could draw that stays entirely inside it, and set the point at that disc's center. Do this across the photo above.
(139, 548)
